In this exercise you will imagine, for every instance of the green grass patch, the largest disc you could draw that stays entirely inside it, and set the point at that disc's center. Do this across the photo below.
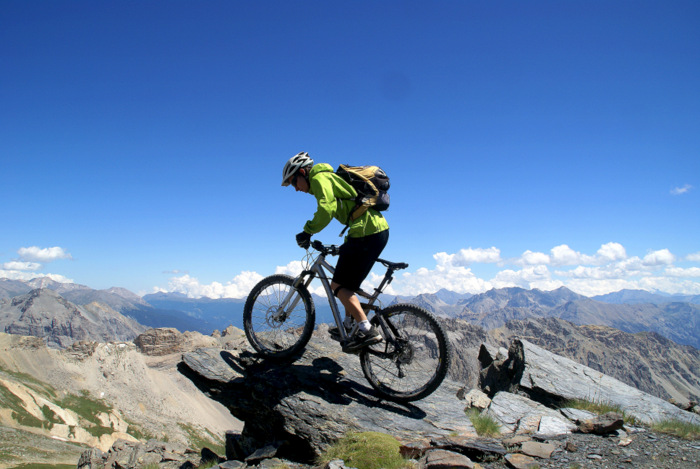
(484, 424)
(368, 450)
(687, 430)
(9, 401)
(141, 434)
(31, 382)
(85, 406)
(204, 440)
(98, 430)
(600, 408)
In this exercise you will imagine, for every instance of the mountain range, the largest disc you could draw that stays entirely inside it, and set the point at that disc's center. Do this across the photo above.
(674, 317)
(624, 310)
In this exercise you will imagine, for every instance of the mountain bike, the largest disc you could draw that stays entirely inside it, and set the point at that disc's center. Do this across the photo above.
(409, 364)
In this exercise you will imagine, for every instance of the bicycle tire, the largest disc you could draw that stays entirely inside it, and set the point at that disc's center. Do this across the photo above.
(270, 337)
(415, 369)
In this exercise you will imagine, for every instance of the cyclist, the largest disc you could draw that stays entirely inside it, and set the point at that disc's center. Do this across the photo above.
(367, 236)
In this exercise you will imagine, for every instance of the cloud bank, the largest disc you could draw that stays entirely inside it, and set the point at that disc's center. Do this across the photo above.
(476, 270)
(607, 270)
(31, 260)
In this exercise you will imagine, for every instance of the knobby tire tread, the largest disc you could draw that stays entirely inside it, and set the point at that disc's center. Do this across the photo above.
(443, 365)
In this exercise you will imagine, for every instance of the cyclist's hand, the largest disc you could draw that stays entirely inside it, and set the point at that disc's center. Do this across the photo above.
(304, 240)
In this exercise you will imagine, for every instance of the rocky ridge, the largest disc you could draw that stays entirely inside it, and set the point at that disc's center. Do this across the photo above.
(45, 313)
(293, 412)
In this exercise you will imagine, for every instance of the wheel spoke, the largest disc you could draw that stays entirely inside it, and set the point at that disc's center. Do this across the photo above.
(273, 332)
(413, 365)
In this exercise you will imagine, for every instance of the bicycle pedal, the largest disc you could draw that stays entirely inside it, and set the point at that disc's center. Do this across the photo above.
(351, 350)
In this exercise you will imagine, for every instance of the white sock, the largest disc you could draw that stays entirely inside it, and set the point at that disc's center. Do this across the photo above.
(364, 326)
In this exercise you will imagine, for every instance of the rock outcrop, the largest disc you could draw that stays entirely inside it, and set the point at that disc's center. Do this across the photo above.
(314, 401)
(549, 378)
(44, 313)
(296, 410)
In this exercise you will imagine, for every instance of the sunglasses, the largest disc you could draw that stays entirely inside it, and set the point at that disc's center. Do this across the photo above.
(293, 181)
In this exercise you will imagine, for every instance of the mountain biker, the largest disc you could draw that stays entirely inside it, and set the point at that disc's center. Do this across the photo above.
(367, 236)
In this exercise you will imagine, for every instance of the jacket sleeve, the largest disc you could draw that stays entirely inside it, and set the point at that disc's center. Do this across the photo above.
(322, 189)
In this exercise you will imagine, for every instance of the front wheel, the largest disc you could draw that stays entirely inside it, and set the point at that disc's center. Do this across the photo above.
(413, 359)
(278, 318)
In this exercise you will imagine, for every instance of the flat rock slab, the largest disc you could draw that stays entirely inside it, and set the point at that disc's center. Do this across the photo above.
(518, 414)
(534, 370)
(442, 459)
(315, 400)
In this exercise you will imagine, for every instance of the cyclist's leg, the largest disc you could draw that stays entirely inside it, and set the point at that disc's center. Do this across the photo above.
(355, 261)
(350, 301)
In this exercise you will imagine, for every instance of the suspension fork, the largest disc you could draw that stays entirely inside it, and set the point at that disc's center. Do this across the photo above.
(285, 307)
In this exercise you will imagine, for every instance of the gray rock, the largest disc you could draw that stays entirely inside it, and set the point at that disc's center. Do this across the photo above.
(474, 448)
(521, 461)
(538, 450)
(442, 459)
(161, 341)
(518, 414)
(546, 376)
(576, 415)
(602, 424)
(314, 401)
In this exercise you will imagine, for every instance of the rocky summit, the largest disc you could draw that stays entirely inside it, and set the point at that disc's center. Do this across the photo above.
(293, 411)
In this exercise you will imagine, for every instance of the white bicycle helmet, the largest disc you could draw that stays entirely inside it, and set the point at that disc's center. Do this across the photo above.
(295, 163)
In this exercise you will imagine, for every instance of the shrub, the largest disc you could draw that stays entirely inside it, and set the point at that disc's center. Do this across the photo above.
(368, 450)
(484, 424)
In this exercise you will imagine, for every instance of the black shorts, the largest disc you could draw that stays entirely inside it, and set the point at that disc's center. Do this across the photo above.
(356, 259)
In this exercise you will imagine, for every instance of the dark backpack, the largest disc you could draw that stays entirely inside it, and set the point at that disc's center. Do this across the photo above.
(371, 184)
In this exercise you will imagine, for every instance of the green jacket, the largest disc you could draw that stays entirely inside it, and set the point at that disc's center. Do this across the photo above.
(336, 199)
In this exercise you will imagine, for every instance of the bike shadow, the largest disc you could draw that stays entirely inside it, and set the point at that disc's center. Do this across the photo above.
(315, 375)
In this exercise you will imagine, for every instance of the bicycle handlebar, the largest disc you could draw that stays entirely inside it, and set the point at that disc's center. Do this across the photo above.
(331, 249)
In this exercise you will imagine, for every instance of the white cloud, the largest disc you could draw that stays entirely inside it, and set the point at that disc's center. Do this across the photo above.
(661, 257)
(610, 252)
(564, 255)
(22, 265)
(695, 257)
(681, 190)
(607, 270)
(691, 272)
(294, 268)
(239, 287)
(669, 285)
(458, 279)
(534, 258)
(27, 275)
(38, 254)
(469, 256)
(537, 276)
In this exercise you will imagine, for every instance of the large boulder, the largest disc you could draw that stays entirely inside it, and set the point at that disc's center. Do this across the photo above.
(304, 406)
(552, 379)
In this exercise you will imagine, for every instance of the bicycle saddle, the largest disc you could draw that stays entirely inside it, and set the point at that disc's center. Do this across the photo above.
(393, 265)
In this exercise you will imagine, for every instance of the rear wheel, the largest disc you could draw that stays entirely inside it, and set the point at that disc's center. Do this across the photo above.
(413, 360)
(275, 331)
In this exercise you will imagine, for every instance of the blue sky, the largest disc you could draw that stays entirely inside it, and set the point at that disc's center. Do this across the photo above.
(533, 144)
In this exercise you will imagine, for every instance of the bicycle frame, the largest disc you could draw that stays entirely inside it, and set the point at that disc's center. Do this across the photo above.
(321, 269)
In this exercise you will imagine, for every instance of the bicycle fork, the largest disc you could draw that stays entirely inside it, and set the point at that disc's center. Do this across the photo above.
(291, 300)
